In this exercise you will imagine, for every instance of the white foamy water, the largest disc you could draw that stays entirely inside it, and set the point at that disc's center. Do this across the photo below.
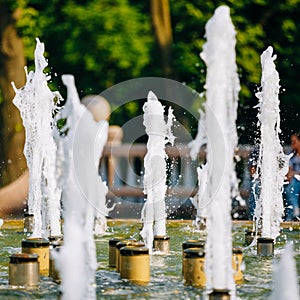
(222, 88)
(201, 137)
(36, 103)
(159, 133)
(83, 196)
(272, 163)
(200, 200)
(285, 276)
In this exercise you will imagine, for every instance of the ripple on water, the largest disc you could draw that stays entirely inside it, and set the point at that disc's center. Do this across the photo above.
(166, 280)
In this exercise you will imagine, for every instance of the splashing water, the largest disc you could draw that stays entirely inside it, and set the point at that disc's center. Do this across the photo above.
(272, 162)
(199, 200)
(201, 137)
(285, 277)
(36, 104)
(159, 133)
(222, 88)
(83, 196)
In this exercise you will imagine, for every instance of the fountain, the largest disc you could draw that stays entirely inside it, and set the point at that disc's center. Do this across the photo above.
(159, 133)
(83, 190)
(166, 279)
(199, 200)
(37, 104)
(272, 162)
(83, 197)
(285, 276)
(222, 87)
(78, 115)
(201, 137)
(83, 261)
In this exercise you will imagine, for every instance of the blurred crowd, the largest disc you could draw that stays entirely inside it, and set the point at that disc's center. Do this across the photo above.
(291, 187)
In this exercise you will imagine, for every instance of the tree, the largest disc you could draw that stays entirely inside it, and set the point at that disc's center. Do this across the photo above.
(12, 62)
(259, 24)
(106, 42)
(100, 42)
(161, 19)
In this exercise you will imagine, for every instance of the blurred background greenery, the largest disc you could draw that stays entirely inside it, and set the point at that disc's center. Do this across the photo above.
(103, 42)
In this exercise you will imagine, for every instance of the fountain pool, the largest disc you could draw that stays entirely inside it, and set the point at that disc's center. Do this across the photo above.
(166, 280)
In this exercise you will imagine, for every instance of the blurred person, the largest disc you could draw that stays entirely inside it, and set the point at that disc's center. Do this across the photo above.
(254, 183)
(293, 178)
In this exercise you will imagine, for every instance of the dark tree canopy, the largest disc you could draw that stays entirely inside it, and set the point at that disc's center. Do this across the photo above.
(106, 42)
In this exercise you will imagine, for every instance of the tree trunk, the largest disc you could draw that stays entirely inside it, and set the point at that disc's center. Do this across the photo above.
(12, 62)
(161, 19)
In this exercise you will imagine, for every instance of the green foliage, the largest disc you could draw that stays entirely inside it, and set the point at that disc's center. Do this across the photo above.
(25, 24)
(189, 19)
(106, 42)
(117, 39)
(100, 42)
